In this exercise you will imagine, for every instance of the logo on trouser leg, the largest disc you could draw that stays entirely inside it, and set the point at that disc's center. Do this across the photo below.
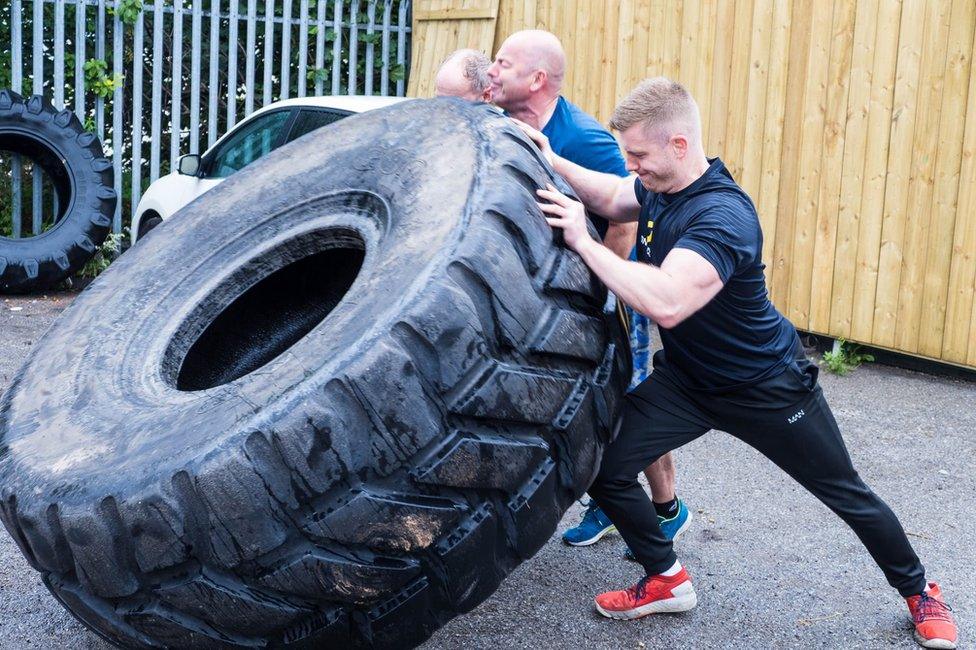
(796, 416)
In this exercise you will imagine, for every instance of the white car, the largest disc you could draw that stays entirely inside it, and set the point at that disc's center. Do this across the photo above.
(257, 135)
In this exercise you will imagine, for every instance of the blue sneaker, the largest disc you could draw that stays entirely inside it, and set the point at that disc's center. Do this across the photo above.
(595, 524)
(672, 528)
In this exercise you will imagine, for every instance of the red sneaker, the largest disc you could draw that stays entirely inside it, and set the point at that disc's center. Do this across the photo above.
(651, 595)
(934, 625)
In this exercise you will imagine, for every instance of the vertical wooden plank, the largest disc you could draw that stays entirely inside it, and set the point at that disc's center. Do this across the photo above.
(922, 180)
(718, 101)
(138, 63)
(285, 92)
(739, 82)
(689, 52)
(155, 126)
(627, 21)
(637, 69)
(195, 53)
(832, 164)
(607, 89)
(883, 81)
(268, 64)
(750, 174)
(213, 83)
(233, 21)
(249, 68)
(176, 93)
(959, 341)
(924, 151)
(852, 169)
(704, 61)
(772, 148)
(778, 272)
(673, 12)
(117, 111)
(302, 47)
(899, 179)
(80, 36)
(811, 144)
(938, 255)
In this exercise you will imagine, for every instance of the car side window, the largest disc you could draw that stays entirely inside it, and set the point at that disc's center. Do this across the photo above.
(256, 139)
(310, 119)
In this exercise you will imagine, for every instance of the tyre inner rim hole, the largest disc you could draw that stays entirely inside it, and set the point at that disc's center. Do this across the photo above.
(271, 316)
(26, 158)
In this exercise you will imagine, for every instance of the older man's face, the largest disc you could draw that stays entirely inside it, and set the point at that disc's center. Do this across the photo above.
(513, 80)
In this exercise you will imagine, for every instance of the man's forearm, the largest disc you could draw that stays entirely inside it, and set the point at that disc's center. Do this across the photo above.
(596, 190)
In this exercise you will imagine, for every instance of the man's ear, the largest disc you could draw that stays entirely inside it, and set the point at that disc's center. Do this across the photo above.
(486, 96)
(679, 144)
(538, 80)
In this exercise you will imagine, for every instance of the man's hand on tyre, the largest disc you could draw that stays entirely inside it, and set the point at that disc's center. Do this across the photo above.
(567, 215)
(540, 140)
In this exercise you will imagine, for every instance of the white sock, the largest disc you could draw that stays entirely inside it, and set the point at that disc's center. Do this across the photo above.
(673, 570)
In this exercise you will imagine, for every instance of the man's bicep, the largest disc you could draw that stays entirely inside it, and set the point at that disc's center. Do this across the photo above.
(697, 280)
(626, 207)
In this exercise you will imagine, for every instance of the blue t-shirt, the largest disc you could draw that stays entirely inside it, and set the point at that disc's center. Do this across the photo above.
(738, 338)
(579, 138)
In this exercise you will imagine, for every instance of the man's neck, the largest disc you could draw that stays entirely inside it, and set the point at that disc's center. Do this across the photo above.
(696, 171)
(536, 112)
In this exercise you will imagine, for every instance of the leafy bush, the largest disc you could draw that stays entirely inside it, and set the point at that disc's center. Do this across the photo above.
(845, 359)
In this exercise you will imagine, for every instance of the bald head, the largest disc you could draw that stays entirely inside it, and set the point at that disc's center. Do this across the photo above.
(529, 68)
(464, 74)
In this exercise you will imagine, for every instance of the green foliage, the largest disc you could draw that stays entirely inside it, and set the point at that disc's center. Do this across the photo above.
(98, 80)
(128, 10)
(847, 357)
(104, 255)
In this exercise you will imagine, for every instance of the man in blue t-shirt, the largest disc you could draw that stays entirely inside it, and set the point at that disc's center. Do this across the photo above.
(730, 361)
(526, 78)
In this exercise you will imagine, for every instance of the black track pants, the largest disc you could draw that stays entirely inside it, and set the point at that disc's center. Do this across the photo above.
(785, 418)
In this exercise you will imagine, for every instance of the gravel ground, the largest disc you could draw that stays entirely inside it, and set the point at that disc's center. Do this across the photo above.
(772, 567)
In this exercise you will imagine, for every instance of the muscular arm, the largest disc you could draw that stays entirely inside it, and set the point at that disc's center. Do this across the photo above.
(607, 195)
(684, 283)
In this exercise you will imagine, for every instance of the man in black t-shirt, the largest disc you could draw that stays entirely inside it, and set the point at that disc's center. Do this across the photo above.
(730, 361)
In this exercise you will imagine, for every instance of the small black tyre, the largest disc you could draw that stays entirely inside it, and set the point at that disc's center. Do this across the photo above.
(333, 404)
(83, 179)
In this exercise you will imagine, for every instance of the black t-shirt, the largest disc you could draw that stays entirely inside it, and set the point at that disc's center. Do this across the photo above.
(738, 338)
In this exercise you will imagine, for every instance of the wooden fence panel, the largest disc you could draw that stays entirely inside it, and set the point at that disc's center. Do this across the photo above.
(851, 123)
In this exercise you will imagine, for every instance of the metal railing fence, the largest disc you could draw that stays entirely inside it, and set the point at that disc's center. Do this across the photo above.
(186, 69)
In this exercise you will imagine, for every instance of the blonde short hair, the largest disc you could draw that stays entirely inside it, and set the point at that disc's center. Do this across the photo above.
(662, 106)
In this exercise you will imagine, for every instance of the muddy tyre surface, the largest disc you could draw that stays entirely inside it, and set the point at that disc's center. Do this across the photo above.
(83, 179)
(332, 403)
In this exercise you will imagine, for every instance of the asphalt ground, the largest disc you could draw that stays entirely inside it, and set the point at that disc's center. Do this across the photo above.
(772, 567)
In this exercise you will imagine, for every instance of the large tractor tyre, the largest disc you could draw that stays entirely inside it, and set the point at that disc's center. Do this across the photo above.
(83, 180)
(332, 404)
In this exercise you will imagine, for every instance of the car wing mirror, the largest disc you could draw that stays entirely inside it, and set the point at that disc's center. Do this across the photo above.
(189, 165)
